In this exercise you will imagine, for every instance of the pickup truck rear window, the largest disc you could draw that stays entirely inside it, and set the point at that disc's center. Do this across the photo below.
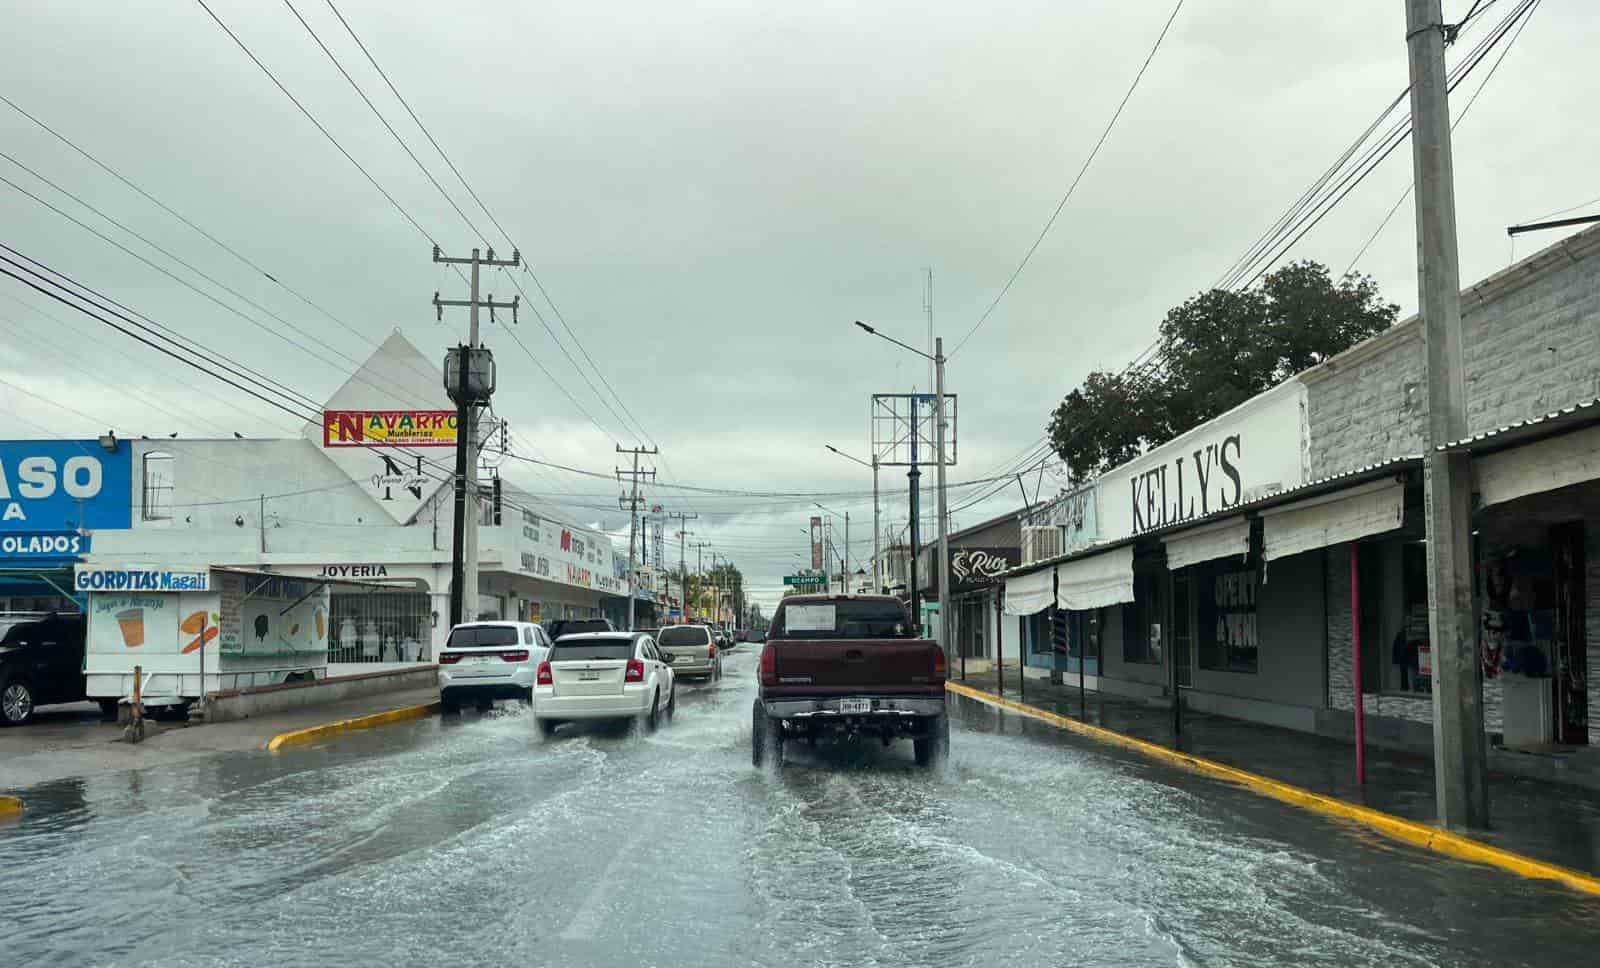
(840, 620)
(482, 635)
(602, 649)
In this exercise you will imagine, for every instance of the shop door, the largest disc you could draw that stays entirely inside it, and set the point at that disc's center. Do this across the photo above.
(1183, 627)
(1571, 659)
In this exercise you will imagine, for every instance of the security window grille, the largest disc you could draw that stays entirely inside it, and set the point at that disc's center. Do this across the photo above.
(158, 486)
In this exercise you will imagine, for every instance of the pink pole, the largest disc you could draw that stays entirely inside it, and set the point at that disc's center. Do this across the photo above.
(1355, 640)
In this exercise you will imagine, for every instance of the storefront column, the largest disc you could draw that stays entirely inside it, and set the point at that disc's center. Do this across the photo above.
(999, 660)
(1355, 644)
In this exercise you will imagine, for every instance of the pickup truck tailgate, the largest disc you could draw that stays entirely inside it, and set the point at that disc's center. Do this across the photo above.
(820, 667)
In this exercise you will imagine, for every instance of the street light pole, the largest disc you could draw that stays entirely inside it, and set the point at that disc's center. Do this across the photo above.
(944, 517)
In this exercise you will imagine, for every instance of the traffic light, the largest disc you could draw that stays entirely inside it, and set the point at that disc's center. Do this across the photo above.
(497, 502)
(1058, 630)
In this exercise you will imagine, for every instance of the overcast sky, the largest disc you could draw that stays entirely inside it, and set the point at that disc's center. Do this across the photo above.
(711, 192)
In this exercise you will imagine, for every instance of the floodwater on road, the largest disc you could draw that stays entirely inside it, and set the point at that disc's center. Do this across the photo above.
(472, 841)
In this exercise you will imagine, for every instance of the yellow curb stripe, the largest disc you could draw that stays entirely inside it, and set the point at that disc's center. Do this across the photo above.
(10, 806)
(311, 734)
(1410, 831)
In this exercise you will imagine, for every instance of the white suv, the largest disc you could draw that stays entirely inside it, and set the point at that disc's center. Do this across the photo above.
(604, 675)
(485, 661)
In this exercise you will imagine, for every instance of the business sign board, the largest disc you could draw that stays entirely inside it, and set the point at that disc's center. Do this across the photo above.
(1253, 451)
(1074, 514)
(49, 546)
(816, 543)
(388, 428)
(976, 567)
(90, 579)
(568, 555)
(64, 485)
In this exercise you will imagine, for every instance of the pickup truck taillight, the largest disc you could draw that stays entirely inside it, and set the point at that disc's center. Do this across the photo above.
(544, 676)
(938, 664)
(635, 671)
(769, 665)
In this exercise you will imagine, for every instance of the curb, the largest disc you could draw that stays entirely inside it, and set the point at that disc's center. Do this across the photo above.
(10, 807)
(311, 734)
(1410, 831)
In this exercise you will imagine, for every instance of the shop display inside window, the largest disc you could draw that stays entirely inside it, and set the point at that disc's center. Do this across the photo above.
(1229, 630)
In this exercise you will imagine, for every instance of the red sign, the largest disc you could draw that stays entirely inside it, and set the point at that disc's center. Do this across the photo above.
(388, 428)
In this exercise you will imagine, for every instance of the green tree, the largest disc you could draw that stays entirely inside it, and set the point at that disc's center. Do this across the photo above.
(1217, 350)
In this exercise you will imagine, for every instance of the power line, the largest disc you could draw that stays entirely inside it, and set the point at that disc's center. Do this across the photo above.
(1051, 221)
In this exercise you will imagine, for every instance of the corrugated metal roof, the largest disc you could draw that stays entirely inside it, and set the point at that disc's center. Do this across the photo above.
(1312, 488)
(1555, 421)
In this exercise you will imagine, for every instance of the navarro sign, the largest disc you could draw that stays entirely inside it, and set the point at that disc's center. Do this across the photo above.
(388, 428)
(975, 567)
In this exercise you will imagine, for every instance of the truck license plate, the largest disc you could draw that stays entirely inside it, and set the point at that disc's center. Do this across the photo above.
(855, 705)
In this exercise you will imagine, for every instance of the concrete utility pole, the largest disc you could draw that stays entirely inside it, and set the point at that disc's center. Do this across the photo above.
(944, 514)
(464, 544)
(1459, 754)
(683, 576)
(700, 563)
(631, 504)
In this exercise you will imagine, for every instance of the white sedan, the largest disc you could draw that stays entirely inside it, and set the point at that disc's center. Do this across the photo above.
(604, 675)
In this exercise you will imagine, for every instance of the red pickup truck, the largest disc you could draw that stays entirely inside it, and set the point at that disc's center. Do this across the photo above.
(844, 668)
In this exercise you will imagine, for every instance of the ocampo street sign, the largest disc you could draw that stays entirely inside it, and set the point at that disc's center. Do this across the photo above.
(802, 581)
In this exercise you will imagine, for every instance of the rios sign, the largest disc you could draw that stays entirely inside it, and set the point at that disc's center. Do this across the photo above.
(976, 567)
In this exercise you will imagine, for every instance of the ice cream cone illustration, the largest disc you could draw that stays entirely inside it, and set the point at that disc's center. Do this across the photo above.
(131, 622)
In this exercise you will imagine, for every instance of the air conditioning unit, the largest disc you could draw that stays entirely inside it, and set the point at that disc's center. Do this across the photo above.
(1041, 542)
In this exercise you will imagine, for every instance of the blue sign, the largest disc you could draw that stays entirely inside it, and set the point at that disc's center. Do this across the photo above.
(50, 546)
(54, 486)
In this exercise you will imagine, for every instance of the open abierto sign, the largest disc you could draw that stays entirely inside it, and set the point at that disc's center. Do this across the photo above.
(810, 618)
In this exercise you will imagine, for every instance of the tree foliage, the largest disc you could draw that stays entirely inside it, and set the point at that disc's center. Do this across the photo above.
(1217, 350)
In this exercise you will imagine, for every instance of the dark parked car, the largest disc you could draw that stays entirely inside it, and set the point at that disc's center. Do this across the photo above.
(41, 662)
(577, 626)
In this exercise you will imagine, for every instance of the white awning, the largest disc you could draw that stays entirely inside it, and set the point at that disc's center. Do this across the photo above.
(1224, 539)
(1534, 468)
(1103, 579)
(1029, 594)
(1333, 519)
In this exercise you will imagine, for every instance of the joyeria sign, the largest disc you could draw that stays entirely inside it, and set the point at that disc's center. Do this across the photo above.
(976, 567)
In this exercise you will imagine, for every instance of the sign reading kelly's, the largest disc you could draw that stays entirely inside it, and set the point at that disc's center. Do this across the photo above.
(388, 428)
(1250, 452)
(55, 486)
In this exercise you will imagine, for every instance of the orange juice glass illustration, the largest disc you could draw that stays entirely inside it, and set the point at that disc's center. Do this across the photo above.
(322, 629)
(131, 622)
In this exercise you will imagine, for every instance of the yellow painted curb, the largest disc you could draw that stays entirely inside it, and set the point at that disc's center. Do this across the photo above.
(10, 806)
(1410, 831)
(311, 734)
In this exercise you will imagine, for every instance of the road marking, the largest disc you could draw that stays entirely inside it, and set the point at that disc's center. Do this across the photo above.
(1410, 831)
(310, 734)
(586, 920)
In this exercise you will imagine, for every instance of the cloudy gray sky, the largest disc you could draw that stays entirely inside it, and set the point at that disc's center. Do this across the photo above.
(712, 191)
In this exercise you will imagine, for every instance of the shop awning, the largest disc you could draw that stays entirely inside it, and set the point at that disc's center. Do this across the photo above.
(1538, 467)
(1332, 519)
(1225, 539)
(1029, 594)
(1096, 581)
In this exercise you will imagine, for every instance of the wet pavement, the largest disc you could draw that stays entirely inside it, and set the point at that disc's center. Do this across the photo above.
(1549, 821)
(471, 841)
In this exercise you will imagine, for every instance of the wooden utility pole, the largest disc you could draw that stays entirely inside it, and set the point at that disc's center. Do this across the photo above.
(1459, 753)
(631, 504)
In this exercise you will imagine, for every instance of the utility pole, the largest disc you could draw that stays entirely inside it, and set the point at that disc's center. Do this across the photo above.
(1460, 765)
(683, 575)
(631, 503)
(944, 515)
(700, 563)
(472, 363)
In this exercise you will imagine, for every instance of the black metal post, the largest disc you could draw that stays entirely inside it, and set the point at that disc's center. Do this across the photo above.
(458, 540)
(1022, 645)
(916, 511)
(999, 659)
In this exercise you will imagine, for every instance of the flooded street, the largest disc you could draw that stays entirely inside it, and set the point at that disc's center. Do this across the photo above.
(472, 841)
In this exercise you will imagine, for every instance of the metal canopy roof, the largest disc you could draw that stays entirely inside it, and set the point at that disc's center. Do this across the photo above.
(1544, 425)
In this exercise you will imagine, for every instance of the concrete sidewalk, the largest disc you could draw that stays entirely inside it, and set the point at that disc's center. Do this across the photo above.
(70, 740)
(1548, 821)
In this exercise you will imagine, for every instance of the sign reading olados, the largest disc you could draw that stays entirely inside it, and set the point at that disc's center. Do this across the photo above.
(39, 547)
(139, 580)
(388, 428)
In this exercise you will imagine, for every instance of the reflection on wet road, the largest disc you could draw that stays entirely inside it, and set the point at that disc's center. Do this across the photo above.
(473, 841)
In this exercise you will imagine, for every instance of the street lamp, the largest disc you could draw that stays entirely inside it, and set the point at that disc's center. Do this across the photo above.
(938, 424)
(843, 582)
(876, 584)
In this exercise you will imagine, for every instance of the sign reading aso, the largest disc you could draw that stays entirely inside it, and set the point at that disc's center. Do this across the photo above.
(64, 485)
(139, 580)
(388, 428)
